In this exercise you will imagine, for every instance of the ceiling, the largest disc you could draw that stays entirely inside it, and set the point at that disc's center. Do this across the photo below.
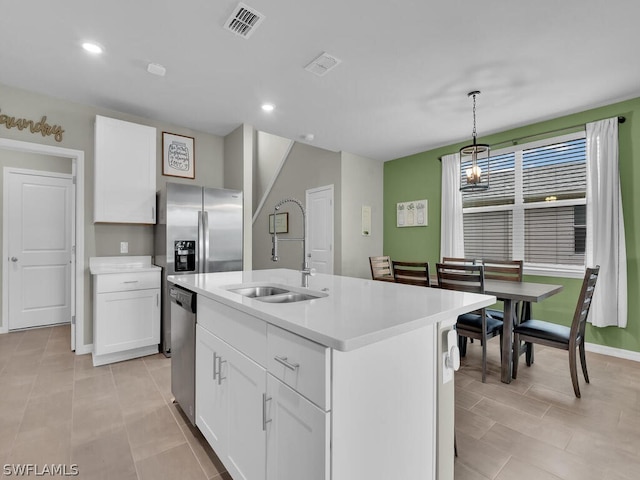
(401, 87)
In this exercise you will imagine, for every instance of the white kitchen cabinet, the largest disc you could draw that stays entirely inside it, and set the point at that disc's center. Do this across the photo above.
(126, 308)
(125, 172)
(297, 435)
(252, 419)
(229, 405)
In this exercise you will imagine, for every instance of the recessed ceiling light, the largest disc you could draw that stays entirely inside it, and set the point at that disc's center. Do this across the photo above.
(92, 47)
(267, 107)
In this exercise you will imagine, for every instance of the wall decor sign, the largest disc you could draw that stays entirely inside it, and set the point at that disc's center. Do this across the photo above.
(41, 126)
(178, 155)
(412, 214)
(282, 222)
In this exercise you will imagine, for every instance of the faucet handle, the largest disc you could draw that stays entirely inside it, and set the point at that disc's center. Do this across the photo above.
(312, 272)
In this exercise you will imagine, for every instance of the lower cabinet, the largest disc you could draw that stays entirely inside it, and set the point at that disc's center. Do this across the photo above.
(260, 427)
(297, 435)
(230, 405)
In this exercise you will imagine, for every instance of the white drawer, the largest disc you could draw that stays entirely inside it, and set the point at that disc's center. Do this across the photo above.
(242, 331)
(122, 282)
(300, 363)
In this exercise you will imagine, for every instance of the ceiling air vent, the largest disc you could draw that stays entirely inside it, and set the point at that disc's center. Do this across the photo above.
(322, 64)
(243, 21)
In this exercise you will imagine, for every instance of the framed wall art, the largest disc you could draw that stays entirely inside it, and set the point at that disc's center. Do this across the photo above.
(412, 214)
(282, 222)
(178, 155)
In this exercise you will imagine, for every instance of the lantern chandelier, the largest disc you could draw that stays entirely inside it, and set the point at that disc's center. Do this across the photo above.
(474, 159)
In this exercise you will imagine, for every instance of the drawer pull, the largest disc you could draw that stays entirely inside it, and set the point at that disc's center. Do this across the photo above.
(265, 399)
(286, 363)
(131, 281)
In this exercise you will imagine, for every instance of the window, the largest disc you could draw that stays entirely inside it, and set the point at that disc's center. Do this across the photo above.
(534, 209)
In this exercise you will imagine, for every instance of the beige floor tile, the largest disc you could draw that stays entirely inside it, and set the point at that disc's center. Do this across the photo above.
(480, 456)
(95, 387)
(95, 418)
(209, 461)
(529, 425)
(137, 398)
(153, 432)
(130, 371)
(177, 462)
(84, 368)
(42, 445)
(523, 471)
(106, 456)
(157, 361)
(463, 472)
(472, 424)
(554, 460)
(162, 378)
(50, 411)
(48, 383)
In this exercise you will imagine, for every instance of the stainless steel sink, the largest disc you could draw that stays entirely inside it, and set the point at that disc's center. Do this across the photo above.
(259, 291)
(289, 297)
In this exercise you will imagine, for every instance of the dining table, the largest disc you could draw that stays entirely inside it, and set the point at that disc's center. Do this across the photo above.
(510, 293)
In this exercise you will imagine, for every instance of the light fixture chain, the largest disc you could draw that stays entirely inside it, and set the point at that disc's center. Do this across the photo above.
(474, 118)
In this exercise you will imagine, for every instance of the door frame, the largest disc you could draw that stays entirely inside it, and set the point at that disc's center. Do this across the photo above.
(77, 293)
(307, 194)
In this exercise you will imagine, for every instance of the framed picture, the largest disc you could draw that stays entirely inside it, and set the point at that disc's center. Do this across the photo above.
(282, 222)
(412, 214)
(178, 156)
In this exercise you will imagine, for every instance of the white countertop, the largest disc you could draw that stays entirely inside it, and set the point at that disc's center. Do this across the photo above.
(124, 264)
(355, 312)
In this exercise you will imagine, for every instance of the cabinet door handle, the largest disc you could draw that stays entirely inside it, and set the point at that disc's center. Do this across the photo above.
(284, 361)
(265, 399)
(215, 366)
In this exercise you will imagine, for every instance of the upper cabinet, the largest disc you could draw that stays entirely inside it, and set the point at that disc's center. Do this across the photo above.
(125, 172)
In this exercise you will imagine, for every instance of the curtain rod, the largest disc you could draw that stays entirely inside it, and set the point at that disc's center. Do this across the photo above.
(515, 141)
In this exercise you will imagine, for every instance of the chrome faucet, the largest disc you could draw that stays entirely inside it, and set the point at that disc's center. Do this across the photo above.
(306, 271)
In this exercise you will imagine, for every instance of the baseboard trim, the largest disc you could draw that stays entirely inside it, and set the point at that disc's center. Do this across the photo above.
(614, 352)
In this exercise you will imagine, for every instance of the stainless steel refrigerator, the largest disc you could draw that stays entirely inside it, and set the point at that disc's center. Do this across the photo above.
(199, 230)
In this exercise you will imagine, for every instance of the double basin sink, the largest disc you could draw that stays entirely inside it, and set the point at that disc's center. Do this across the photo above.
(274, 294)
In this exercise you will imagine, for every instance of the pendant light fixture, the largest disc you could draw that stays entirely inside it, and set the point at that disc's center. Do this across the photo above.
(474, 159)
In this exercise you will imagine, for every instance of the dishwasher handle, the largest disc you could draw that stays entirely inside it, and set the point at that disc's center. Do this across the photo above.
(183, 298)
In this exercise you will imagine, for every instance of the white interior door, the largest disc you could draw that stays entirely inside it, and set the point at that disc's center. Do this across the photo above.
(39, 232)
(320, 228)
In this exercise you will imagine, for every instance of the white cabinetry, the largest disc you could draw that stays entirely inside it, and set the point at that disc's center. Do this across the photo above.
(229, 395)
(126, 313)
(125, 172)
(251, 418)
(326, 414)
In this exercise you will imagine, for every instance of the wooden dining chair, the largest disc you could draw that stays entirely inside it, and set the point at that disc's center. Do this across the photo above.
(478, 325)
(412, 273)
(460, 260)
(381, 268)
(559, 336)
(509, 271)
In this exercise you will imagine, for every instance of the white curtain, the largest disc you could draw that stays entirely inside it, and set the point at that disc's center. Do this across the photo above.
(451, 229)
(605, 225)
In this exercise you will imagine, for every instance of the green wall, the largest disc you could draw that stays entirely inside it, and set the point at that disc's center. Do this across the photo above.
(418, 176)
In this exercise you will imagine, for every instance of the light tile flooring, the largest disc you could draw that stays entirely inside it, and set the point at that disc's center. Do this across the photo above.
(118, 422)
(115, 421)
(536, 429)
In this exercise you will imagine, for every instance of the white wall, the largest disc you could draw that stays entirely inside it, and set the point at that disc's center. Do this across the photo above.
(362, 180)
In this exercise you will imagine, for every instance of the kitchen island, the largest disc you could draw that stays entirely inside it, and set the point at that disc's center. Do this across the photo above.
(348, 385)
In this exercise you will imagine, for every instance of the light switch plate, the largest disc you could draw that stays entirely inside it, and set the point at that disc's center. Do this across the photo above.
(124, 247)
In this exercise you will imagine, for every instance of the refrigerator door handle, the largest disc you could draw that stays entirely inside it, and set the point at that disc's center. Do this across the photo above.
(205, 240)
(199, 248)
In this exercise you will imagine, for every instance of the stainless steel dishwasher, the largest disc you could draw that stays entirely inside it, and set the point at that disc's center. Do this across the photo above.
(183, 349)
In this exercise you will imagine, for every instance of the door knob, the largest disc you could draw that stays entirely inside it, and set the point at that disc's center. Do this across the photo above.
(14, 259)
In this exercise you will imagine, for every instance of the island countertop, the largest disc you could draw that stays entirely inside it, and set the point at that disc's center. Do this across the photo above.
(355, 312)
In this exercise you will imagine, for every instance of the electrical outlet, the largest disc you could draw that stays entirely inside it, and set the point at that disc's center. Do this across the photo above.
(124, 247)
